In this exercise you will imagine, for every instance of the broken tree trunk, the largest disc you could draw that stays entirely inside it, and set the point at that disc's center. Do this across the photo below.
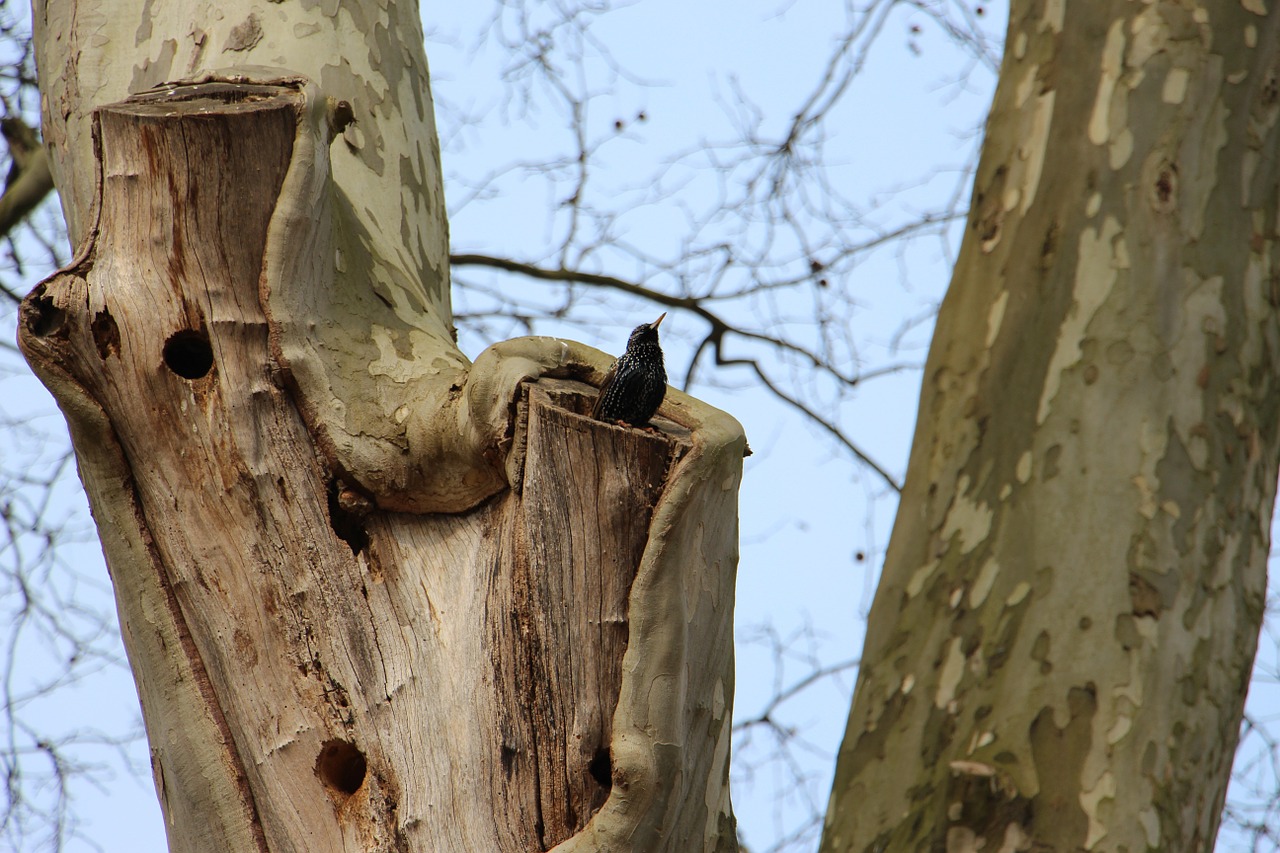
(444, 613)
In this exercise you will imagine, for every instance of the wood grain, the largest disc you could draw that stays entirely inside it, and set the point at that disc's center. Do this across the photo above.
(571, 547)
(321, 675)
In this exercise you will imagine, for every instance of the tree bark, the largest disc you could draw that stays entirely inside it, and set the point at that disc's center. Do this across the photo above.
(1058, 653)
(29, 179)
(375, 597)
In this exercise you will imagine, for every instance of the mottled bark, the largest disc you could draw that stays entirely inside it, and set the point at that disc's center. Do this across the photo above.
(29, 179)
(356, 613)
(1058, 652)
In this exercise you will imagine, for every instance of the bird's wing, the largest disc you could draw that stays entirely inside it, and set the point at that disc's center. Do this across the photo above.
(604, 388)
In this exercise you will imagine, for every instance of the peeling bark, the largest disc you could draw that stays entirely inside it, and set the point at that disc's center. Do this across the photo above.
(1058, 653)
(375, 597)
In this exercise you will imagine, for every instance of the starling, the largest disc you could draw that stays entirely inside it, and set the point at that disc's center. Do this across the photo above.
(637, 382)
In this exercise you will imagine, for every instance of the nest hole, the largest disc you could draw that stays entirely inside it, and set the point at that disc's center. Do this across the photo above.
(106, 334)
(189, 354)
(346, 517)
(341, 767)
(601, 768)
(44, 317)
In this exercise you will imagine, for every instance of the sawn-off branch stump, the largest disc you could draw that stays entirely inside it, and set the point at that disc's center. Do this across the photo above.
(327, 674)
(559, 626)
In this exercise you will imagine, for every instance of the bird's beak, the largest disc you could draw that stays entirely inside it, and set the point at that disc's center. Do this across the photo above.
(659, 320)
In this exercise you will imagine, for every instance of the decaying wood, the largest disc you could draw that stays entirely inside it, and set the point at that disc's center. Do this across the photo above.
(571, 547)
(550, 667)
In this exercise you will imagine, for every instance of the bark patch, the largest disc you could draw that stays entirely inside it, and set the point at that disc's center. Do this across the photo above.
(1059, 755)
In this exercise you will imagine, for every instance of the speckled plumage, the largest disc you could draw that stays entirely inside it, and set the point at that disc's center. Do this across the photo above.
(635, 385)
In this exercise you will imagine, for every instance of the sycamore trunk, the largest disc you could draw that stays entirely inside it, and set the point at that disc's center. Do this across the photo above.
(1058, 653)
(375, 596)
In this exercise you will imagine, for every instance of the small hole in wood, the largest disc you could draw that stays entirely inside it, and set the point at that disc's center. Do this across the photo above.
(341, 767)
(601, 768)
(44, 318)
(346, 513)
(188, 354)
(106, 334)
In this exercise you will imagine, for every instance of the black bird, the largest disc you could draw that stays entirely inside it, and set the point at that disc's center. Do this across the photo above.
(637, 382)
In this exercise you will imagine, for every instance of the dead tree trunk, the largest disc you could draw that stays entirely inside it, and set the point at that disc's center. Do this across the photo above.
(375, 598)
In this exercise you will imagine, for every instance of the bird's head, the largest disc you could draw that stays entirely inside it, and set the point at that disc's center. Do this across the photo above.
(645, 333)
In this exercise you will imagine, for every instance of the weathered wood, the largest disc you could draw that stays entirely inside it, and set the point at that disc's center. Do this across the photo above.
(571, 547)
(161, 327)
(321, 674)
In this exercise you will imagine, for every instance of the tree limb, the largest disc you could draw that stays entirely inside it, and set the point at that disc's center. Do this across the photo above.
(29, 179)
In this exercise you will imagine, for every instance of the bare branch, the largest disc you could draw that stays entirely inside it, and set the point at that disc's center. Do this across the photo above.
(29, 180)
